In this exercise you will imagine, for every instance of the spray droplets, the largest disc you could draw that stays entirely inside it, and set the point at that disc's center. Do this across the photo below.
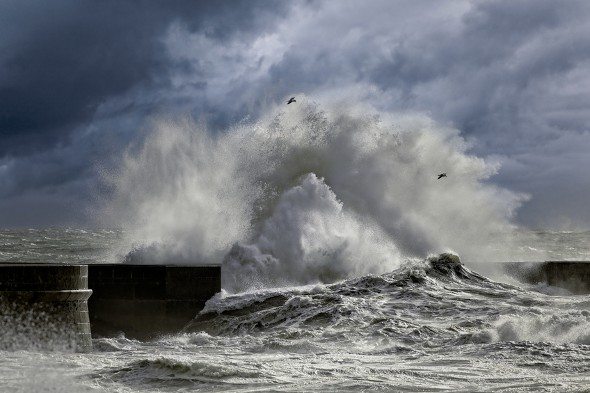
(309, 195)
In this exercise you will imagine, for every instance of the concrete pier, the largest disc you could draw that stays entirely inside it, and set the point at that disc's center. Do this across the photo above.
(44, 306)
(145, 301)
(50, 306)
(573, 276)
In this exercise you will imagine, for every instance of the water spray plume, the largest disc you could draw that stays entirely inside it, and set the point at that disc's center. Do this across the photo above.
(309, 194)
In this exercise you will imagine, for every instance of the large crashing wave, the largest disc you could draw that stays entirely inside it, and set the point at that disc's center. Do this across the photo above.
(308, 194)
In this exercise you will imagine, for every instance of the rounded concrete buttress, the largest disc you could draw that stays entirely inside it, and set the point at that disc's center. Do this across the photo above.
(44, 307)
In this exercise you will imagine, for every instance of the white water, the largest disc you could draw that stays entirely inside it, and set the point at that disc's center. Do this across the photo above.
(312, 195)
(309, 193)
(423, 327)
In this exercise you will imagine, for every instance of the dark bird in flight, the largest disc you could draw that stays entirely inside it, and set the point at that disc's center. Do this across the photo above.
(292, 99)
(441, 176)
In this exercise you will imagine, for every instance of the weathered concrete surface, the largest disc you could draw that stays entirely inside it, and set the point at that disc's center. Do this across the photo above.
(573, 276)
(145, 301)
(44, 306)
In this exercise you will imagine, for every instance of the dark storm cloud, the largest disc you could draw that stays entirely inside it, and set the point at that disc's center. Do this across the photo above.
(62, 59)
(64, 62)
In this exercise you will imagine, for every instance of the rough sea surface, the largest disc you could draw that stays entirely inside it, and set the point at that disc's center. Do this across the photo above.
(56, 245)
(422, 327)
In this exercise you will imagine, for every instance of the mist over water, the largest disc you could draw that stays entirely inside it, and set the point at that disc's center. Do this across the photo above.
(309, 193)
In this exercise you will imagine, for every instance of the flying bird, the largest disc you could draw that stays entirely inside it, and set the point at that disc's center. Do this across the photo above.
(292, 99)
(442, 175)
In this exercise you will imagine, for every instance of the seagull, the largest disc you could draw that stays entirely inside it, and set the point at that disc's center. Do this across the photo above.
(292, 99)
(442, 175)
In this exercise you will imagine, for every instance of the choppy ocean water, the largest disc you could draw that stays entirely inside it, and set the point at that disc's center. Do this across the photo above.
(417, 328)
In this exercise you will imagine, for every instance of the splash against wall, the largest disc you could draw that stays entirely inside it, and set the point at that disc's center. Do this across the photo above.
(309, 193)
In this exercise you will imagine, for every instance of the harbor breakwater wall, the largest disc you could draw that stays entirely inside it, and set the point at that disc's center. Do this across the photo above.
(573, 276)
(145, 301)
(58, 306)
(44, 307)
(49, 306)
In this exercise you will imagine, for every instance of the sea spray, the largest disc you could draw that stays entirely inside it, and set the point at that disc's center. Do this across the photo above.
(309, 238)
(309, 193)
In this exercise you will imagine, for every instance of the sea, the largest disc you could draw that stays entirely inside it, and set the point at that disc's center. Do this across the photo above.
(417, 328)
(325, 218)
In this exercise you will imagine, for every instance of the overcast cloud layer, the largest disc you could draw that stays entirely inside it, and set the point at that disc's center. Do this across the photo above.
(80, 81)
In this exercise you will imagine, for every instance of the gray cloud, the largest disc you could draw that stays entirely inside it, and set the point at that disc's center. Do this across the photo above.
(79, 80)
(63, 59)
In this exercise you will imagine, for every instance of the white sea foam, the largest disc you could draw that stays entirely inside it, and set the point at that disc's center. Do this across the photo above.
(307, 194)
(560, 328)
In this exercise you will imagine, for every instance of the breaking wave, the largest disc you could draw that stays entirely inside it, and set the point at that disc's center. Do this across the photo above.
(433, 303)
(308, 194)
(431, 322)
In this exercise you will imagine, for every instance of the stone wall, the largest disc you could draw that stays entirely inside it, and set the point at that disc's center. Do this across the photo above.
(145, 301)
(44, 307)
(573, 276)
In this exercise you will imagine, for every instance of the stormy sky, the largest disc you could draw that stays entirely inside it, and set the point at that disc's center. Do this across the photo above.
(80, 81)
